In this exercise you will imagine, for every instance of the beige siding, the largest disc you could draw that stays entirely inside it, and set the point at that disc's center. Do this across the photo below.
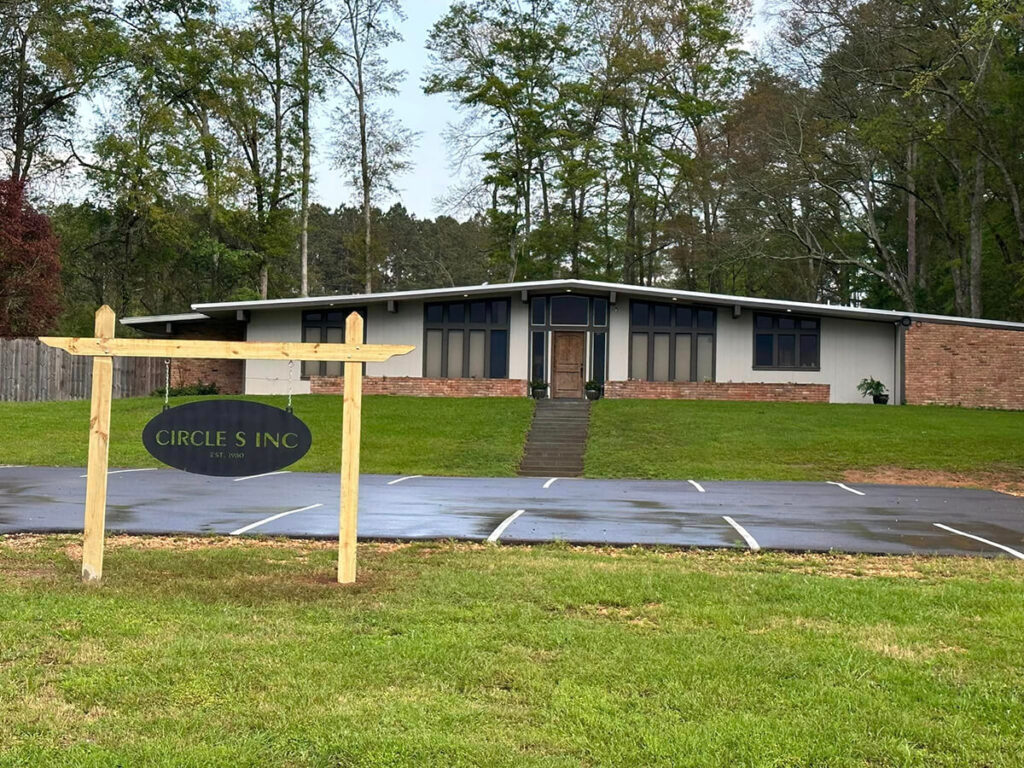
(270, 377)
(402, 327)
(851, 350)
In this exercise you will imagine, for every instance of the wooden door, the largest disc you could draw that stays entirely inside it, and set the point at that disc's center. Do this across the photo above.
(567, 362)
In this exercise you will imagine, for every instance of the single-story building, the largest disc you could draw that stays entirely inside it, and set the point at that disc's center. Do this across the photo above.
(635, 341)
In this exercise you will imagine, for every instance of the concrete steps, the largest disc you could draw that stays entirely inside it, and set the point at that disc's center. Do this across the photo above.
(557, 439)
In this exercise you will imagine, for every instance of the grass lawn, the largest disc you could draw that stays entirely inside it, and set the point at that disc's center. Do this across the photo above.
(403, 435)
(792, 441)
(245, 653)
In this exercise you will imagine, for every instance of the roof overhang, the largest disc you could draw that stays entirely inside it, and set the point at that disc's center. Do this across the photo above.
(232, 308)
(165, 325)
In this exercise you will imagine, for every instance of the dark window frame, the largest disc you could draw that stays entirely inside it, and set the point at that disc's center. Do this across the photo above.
(694, 330)
(796, 332)
(590, 330)
(467, 326)
(323, 324)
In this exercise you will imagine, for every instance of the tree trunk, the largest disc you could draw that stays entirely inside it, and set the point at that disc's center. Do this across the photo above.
(911, 219)
(977, 201)
(364, 166)
(304, 85)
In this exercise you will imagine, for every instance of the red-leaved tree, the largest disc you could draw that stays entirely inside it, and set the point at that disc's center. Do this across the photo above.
(29, 266)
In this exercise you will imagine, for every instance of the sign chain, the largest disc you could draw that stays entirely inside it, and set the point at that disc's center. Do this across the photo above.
(291, 368)
(167, 382)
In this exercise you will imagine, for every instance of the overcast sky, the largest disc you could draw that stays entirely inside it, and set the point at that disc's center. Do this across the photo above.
(429, 115)
(430, 175)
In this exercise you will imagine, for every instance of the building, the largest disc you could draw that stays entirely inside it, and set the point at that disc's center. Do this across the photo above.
(634, 341)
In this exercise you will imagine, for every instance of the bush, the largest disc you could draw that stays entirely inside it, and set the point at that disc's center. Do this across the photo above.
(190, 390)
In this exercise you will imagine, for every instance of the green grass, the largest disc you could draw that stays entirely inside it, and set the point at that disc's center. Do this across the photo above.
(789, 441)
(403, 435)
(214, 652)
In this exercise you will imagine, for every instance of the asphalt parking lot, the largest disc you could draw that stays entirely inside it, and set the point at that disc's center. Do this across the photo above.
(802, 517)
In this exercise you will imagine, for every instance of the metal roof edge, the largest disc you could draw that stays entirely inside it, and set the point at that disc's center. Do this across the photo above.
(838, 310)
(176, 318)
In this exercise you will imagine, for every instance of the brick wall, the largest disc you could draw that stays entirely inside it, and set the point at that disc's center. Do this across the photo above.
(718, 390)
(228, 375)
(421, 387)
(964, 365)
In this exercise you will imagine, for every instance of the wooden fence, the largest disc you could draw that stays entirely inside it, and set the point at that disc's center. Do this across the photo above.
(30, 370)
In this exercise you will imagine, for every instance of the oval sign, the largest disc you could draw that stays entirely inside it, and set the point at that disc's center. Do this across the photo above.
(226, 438)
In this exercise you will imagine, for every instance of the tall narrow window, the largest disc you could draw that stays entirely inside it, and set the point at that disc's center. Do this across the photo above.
(638, 358)
(432, 369)
(499, 354)
(684, 343)
(705, 357)
(600, 355)
(661, 347)
(476, 354)
(537, 356)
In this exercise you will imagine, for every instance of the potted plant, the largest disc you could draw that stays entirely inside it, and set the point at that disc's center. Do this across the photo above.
(593, 390)
(539, 389)
(875, 388)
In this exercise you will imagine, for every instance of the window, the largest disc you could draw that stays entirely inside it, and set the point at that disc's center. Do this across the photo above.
(569, 310)
(326, 325)
(466, 339)
(671, 343)
(537, 350)
(600, 355)
(786, 342)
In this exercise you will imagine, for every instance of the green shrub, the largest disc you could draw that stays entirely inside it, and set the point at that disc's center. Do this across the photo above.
(190, 390)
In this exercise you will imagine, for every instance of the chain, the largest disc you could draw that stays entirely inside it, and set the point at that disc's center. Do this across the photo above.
(291, 368)
(167, 382)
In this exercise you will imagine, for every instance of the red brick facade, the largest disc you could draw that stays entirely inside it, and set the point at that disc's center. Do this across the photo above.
(964, 365)
(421, 387)
(228, 375)
(718, 390)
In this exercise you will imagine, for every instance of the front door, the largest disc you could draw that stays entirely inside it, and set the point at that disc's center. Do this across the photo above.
(567, 362)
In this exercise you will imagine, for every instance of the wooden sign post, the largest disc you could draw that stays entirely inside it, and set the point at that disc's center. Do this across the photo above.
(103, 347)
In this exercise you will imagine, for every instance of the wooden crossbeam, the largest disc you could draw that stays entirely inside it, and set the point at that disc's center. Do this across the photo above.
(105, 347)
(226, 350)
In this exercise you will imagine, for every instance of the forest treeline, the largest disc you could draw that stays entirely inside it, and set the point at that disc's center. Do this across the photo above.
(860, 152)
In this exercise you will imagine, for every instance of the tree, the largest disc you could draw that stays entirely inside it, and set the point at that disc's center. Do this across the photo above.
(501, 60)
(52, 52)
(29, 266)
(371, 144)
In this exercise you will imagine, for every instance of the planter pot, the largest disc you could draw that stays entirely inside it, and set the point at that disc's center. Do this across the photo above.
(880, 399)
(539, 393)
(593, 394)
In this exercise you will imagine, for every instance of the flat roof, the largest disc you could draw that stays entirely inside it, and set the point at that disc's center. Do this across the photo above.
(569, 285)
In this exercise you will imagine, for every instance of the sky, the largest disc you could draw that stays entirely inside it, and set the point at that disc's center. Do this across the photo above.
(430, 174)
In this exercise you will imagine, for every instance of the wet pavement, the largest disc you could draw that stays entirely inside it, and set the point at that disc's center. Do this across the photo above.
(877, 519)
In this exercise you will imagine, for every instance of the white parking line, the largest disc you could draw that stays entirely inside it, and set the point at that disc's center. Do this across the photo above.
(1012, 551)
(408, 477)
(549, 482)
(754, 546)
(12, 466)
(846, 488)
(122, 471)
(270, 519)
(265, 474)
(504, 524)
(697, 485)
